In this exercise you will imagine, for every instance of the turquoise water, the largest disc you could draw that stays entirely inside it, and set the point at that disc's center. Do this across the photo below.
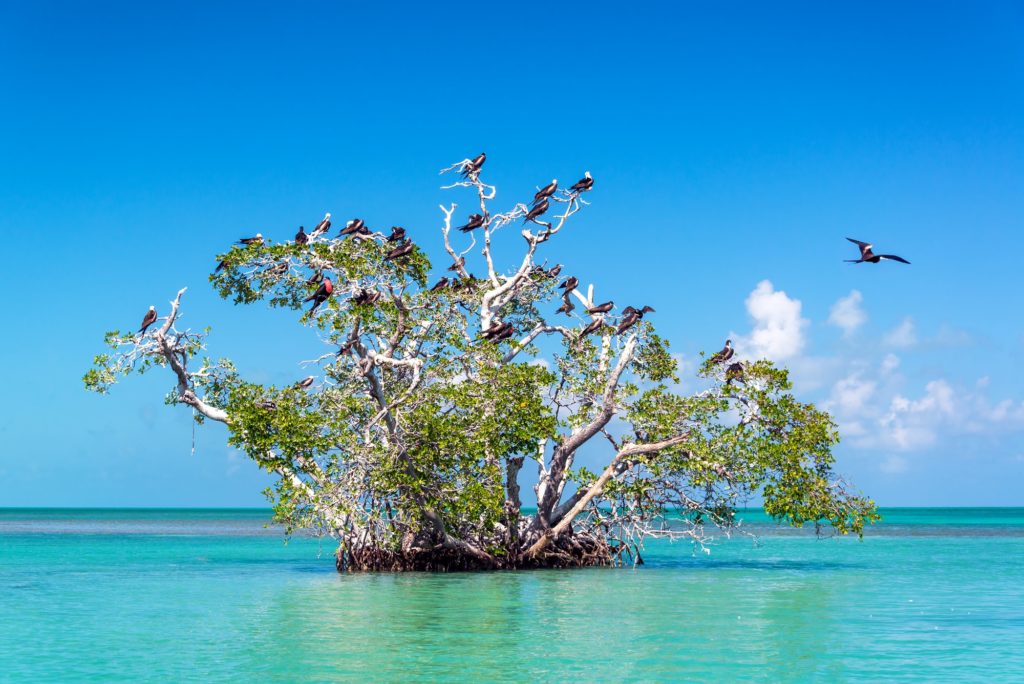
(170, 595)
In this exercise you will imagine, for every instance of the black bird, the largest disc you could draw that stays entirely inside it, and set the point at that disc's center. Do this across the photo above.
(734, 372)
(323, 226)
(867, 255)
(570, 284)
(220, 267)
(640, 312)
(583, 184)
(354, 226)
(279, 269)
(321, 295)
(345, 348)
(301, 238)
(315, 278)
(148, 320)
(459, 263)
(566, 307)
(305, 383)
(472, 168)
(268, 405)
(440, 285)
(594, 326)
(601, 308)
(506, 332)
(492, 329)
(399, 251)
(547, 191)
(554, 271)
(628, 321)
(367, 297)
(397, 234)
(255, 240)
(725, 354)
(536, 211)
(475, 221)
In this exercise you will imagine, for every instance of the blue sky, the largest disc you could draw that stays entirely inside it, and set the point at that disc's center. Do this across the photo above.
(734, 147)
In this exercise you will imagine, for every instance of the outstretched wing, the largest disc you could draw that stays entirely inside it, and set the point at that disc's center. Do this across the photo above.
(868, 245)
(893, 257)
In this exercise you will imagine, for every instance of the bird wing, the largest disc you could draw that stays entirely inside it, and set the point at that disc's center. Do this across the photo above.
(866, 245)
(893, 257)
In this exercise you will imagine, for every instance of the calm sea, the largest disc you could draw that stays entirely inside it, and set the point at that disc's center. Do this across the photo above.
(212, 595)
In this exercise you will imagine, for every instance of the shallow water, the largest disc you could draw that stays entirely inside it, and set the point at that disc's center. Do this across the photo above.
(148, 595)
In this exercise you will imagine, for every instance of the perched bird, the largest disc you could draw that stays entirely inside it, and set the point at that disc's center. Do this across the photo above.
(354, 226)
(734, 372)
(536, 211)
(315, 278)
(321, 295)
(583, 184)
(725, 354)
(440, 284)
(367, 297)
(397, 234)
(323, 226)
(474, 222)
(459, 263)
(601, 308)
(345, 348)
(554, 271)
(569, 284)
(867, 255)
(148, 320)
(640, 312)
(254, 240)
(305, 383)
(472, 168)
(566, 307)
(220, 267)
(301, 238)
(279, 269)
(594, 326)
(627, 322)
(492, 329)
(268, 405)
(506, 332)
(399, 251)
(547, 191)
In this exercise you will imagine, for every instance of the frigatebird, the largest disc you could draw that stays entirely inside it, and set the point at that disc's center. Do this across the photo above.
(472, 168)
(554, 271)
(536, 211)
(315, 278)
(569, 284)
(725, 354)
(506, 332)
(631, 317)
(601, 308)
(267, 404)
(321, 295)
(148, 320)
(475, 221)
(459, 263)
(583, 184)
(367, 297)
(593, 327)
(547, 191)
(397, 233)
(220, 267)
(399, 251)
(567, 306)
(734, 372)
(867, 255)
(354, 226)
(492, 330)
(305, 383)
(440, 285)
(279, 269)
(323, 226)
(254, 240)
(301, 238)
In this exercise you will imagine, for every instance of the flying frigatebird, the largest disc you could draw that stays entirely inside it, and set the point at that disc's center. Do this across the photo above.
(601, 308)
(536, 211)
(301, 238)
(321, 295)
(472, 168)
(254, 240)
(323, 226)
(397, 233)
(148, 320)
(399, 251)
(725, 354)
(569, 284)
(474, 222)
(547, 191)
(867, 255)
(583, 184)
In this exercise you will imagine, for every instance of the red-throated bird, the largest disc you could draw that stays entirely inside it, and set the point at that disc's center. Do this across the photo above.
(321, 295)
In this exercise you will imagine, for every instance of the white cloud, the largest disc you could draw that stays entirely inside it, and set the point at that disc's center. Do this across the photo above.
(889, 364)
(852, 392)
(903, 335)
(778, 332)
(847, 313)
(894, 465)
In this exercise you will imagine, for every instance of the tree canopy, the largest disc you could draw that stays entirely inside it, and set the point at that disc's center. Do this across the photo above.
(411, 445)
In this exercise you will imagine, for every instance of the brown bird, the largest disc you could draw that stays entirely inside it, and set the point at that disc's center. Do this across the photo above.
(305, 383)
(220, 267)
(547, 191)
(440, 285)
(367, 297)
(459, 263)
(471, 169)
(583, 184)
(566, 307)
(867, 255)
(536, 211)
(301, 238)
(594, 326)
(267, 404)
(734, 372)
(279, 269)
(148, 320)
(628, 321)
(315, 278)
(356, 225)
(554, 271)
(397, 234)
(725, 354)
(505, 333)
(474, 222)
(255, 240)
(601, 308)
(399, 251)
(492, 329)
(323, 226)
(569, 284)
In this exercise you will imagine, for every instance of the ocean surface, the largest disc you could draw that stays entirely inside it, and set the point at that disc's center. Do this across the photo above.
(929, 595)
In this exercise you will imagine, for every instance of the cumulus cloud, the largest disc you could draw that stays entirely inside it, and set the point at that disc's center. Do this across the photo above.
(852, 393)
(778, 332)
(847, 313)
(903, 335)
